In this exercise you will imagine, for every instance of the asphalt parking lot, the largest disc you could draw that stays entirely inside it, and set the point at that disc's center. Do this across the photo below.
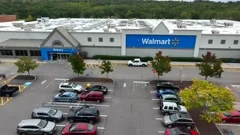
(131, 106)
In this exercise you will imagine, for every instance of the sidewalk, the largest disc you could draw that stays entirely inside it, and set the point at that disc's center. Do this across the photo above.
(92, 61)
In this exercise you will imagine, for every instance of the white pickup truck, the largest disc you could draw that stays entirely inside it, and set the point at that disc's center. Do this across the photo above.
(137, 62)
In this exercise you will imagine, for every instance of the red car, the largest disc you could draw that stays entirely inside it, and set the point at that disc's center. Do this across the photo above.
(79, 129)
(233, 116)
(180, 131)
(92, 96)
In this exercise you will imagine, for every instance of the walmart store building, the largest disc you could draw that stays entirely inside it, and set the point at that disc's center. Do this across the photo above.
(60, 43)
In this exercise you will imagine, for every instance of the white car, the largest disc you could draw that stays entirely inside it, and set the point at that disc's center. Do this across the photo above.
(70, 87)
(137, 62)
(170, 108)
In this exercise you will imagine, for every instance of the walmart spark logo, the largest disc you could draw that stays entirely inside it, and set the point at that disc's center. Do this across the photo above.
(175, 42)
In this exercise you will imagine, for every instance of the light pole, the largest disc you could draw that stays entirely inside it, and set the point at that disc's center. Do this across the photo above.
(180, 75)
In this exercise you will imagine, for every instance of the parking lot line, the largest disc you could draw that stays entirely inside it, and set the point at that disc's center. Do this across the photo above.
(100, 128)
(43, 81)
(161, 119)
(99, 115)
(110, 90)
(152, 91)
(155, 99)
(50, 83)
(161, 132)
(107, 97)
(156, 108)
(60, 125)
(8, 99)
(61, 79)
(74, 104)
(223, 124)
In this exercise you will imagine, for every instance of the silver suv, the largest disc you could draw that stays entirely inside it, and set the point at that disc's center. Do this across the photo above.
(48, 114)
(70, 87)
(36, 127)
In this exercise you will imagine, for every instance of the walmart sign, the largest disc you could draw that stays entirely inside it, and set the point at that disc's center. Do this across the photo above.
(160, 41)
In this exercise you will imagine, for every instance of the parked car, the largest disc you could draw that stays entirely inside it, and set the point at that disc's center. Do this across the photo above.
(166, 85)
(180, 131)
(92, 96)
(48, 114)
(79, 129)
(70, 87)
(232, 116)
(170, 108)
(8, 91)
(84, 114)
(66, 97)
(137, 62)
(100, 88)
(178, 120)
(36, 127)
(170, 98)
(161, 92)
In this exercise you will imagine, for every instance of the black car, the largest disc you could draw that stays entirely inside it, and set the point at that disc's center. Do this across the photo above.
(84, 114)
(101, 88)
(8, 91)
(166, 85)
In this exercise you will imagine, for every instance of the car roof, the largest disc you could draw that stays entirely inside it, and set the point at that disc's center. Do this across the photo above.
(28, 122)
(65, 83)
(95, 92)
(169, 95)
(235, 112)
(81, 126)
(169, 104)
(42, 109)
(87, 110)
(68, 93)
(184, 115)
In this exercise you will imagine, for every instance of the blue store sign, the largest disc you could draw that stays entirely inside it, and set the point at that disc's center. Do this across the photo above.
(47, 52)
(160, 41)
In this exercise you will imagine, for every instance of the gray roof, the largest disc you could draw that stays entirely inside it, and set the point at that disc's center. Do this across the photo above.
(27, 122)
(22, 42)
(65, 34)
(42, 109)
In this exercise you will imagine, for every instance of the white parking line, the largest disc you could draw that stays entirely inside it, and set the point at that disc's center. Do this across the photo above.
(107, 97)
(161, 119)
(110, 90)
(156, 108)
(153, 92)
(223, 124)
(74, 104)
(50, 83)
(161, 132)
(43, 81)
(100, 115)
(155, 99)
(100, 128)
(227, 88)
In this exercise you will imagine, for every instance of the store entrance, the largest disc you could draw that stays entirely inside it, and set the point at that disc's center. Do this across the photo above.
(59, 56)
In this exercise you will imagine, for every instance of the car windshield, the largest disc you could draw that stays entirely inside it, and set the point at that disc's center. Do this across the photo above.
(174, 131)
(173, 117)
(52, 112)
(178, 106)
(74, 85)
(72, 127)
(90, 127)
(227, 114)
(42, 123)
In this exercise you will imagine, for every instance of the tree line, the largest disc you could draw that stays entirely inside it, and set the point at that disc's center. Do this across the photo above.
(32, 9)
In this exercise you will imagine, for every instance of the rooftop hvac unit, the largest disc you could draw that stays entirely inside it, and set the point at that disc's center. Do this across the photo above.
(27, 29)
(228, 23)
(213, 21)
(105, 29)
(45, 19)
(215, 32)
(18, 25)
(181, 26)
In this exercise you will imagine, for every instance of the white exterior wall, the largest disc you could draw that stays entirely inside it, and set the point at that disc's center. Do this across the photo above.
(82, 38)
(217, 41)
(5, 35)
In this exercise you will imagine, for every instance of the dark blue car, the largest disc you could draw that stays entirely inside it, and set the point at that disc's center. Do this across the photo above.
(161, 92)
(66, 97)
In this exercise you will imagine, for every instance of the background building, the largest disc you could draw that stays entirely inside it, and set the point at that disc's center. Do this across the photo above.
(54, 39)
(8, 18)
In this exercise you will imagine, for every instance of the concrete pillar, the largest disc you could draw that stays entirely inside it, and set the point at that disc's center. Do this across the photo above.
(123, 44)
(14, 54)
(28, 51)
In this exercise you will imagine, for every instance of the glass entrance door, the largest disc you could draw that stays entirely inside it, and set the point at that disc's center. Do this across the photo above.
(59, 56)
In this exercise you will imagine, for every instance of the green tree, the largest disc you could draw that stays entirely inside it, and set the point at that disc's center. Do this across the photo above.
(106, 67)
(77, 63)
(161, 64)
(211, 66)
(29, 18)
(26, 63)
(211, 99)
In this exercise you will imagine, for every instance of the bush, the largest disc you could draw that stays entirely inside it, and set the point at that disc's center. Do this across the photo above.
(177, 59)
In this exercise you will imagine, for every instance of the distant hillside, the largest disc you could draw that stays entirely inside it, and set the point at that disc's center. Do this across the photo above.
(31, 9)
